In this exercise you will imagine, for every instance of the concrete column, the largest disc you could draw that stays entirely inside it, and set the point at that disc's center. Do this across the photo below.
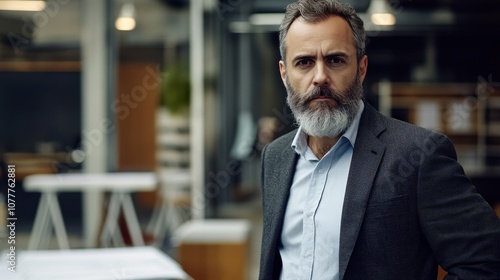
(96, 124)
(197, 110)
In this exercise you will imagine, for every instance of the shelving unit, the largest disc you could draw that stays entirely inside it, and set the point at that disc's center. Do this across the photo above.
(469, 114)
(173, 171)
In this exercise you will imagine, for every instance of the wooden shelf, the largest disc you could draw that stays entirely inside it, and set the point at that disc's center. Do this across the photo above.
(40, 66)
(32, 163)
(432, 90)
(467, 113)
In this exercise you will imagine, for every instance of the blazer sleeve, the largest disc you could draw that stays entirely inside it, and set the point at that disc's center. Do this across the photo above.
(461, 228)
(267, 268)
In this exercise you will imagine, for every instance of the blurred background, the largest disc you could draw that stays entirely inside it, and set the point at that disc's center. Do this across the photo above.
(190, 90)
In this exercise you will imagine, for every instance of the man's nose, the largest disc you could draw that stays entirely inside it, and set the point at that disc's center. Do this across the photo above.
(320, 75)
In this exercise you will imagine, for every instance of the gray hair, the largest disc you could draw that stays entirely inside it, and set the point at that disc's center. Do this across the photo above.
(313, 11)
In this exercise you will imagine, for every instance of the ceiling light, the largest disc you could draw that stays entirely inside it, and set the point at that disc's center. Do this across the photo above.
(126, 19)
(383, 19)
(31, 6)
(381, 13)
(266, 19)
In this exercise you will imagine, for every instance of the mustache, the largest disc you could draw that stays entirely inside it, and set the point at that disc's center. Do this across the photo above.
(323, 92)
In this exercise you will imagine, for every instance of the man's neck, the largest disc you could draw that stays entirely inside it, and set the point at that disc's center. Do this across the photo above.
(321, 145)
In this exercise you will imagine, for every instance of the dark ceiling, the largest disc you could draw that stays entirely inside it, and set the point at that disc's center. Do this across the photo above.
(453, 5)
(418, 5)
(418, 16)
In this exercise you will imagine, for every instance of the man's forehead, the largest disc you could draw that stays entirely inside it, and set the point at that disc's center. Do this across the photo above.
(333, 23)
(334, 30)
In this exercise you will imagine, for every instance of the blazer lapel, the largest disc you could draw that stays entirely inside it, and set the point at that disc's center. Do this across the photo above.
(281, 184)
(279, 177)
(368, 152)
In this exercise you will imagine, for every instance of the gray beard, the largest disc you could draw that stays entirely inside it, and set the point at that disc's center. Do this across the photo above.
(325, 119)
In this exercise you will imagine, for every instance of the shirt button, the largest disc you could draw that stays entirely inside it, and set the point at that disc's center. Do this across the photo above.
(320, 171)
(309, 214)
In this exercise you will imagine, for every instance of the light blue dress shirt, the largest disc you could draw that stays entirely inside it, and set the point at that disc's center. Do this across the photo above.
(310, 238)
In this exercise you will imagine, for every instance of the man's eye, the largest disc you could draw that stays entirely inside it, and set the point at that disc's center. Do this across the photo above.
(335, 60)
(304, 62)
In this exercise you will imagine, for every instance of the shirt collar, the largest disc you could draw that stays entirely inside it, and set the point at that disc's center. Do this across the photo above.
(299, 143)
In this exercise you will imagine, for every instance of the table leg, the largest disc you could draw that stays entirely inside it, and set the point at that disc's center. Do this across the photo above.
(116, 235)
(42, 214)
(58, 222)
(155, 216)
(46, 235)
(132, 221)
(110, 224)
(161, 223)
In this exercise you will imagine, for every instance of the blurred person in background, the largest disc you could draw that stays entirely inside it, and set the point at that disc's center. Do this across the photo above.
(352, 194)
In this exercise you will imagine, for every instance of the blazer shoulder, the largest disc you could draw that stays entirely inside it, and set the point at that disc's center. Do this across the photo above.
(405, 130)
(398, 134)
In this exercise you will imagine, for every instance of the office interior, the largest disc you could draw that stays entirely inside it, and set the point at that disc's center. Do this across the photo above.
(190, 91)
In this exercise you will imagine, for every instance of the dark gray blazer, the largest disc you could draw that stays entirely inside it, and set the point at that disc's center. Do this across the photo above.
(408, 207)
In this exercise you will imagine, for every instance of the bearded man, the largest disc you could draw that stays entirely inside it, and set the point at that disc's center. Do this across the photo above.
(352, 194)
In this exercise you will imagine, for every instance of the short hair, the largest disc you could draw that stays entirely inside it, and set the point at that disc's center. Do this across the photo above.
(313, 11)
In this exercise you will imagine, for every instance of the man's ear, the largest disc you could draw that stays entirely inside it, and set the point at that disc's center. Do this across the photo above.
(283, 72)
(363, 67)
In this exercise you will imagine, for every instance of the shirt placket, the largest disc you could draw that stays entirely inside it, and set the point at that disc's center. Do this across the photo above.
(316, 186)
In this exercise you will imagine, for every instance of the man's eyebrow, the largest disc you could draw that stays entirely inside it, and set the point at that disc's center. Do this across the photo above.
(313, 57)
(303, 57)
(337, 54)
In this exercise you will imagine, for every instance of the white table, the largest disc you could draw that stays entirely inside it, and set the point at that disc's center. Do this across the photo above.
(121, 185)
(137, 263)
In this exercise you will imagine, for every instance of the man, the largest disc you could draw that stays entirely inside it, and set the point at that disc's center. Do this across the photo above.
(352, 194)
